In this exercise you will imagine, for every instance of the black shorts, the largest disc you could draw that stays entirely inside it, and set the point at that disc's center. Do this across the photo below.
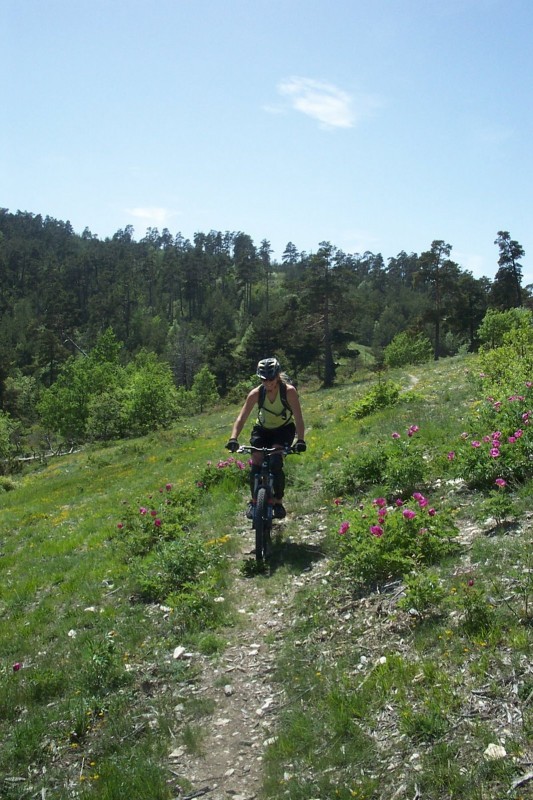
(268, 437)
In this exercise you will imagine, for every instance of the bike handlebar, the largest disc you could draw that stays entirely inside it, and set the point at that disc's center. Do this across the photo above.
(287, 451)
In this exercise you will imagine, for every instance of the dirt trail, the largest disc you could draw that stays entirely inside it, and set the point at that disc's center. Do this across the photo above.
(239, 684)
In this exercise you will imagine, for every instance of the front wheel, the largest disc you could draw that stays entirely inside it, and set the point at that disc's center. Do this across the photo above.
(262, 526)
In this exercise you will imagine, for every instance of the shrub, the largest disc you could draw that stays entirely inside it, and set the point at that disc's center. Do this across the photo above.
(423, 592)
(406, 464)
(240, 390)
(169, 558)
(143, 527)
(204, 389)
(105, 416)
(498, 504)
(231, 473)
(376, 543)
(7, 484)
(499, 442)
(496, 324)
(359, 471)
(400, 466)
(173, 566)
(7, 428)
(408, 349)
(383, 395)
(478, 613)
(151, 398)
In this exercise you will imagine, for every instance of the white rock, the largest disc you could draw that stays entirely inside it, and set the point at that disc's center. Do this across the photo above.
(179, 652)
(494, 752)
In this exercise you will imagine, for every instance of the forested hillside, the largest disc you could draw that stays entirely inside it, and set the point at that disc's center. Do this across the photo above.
(170, 308)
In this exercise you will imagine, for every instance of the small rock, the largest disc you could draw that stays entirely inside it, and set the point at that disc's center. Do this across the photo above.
(495, 752)
(271, 740)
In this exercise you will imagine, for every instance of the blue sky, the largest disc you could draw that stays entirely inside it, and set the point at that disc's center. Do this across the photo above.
(376, 125)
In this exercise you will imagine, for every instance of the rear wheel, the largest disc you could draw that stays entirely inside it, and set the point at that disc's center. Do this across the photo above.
(261, 525)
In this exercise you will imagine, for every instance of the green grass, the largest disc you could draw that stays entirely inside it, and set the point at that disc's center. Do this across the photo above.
(366, 683)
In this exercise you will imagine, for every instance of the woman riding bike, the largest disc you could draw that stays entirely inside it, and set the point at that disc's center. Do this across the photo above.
(279, 419)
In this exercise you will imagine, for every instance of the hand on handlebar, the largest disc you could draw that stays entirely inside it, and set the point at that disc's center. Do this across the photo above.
(232, 445)
(300, 446)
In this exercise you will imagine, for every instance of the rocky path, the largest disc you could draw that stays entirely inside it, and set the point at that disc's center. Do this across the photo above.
(239, 683)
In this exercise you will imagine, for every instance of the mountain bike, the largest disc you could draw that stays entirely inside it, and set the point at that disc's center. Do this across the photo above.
(263, 498)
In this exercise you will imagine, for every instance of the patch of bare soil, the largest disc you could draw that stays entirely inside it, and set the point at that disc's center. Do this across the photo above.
(239, 683)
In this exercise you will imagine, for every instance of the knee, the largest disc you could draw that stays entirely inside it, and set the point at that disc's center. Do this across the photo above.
(276, 464)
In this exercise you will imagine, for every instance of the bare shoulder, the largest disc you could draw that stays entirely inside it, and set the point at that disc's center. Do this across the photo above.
(292, 392)
(253, 396)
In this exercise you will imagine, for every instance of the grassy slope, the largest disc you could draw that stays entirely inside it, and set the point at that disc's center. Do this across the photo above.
(88, 652)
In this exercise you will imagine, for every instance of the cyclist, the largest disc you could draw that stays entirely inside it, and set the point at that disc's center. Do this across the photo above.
(279, 420)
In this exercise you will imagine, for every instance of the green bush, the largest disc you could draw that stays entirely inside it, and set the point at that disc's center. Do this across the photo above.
(383, 395)
(231, 473)
(497, 324)
(407, 465)
(498, 505)
(478, 613)
(376, 543)
(237, 393)
(161, 517)
(7, 484)
(400, 467)
(407, 348)
(204, 389)
(357, 472)
(150, 396)
(498, 440)
(106, 416)
(172, 566)
(7, 428)
(423, 593)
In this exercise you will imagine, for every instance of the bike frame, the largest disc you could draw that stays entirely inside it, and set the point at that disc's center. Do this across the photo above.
(263, 497)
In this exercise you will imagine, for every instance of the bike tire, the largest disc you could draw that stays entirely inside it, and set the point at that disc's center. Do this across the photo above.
(261, 524)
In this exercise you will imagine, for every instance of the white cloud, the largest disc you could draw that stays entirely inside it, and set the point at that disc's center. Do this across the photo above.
(152, 217)
(331, 106)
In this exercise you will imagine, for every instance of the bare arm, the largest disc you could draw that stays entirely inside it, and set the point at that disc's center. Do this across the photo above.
(294, 401)
(245, 412)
